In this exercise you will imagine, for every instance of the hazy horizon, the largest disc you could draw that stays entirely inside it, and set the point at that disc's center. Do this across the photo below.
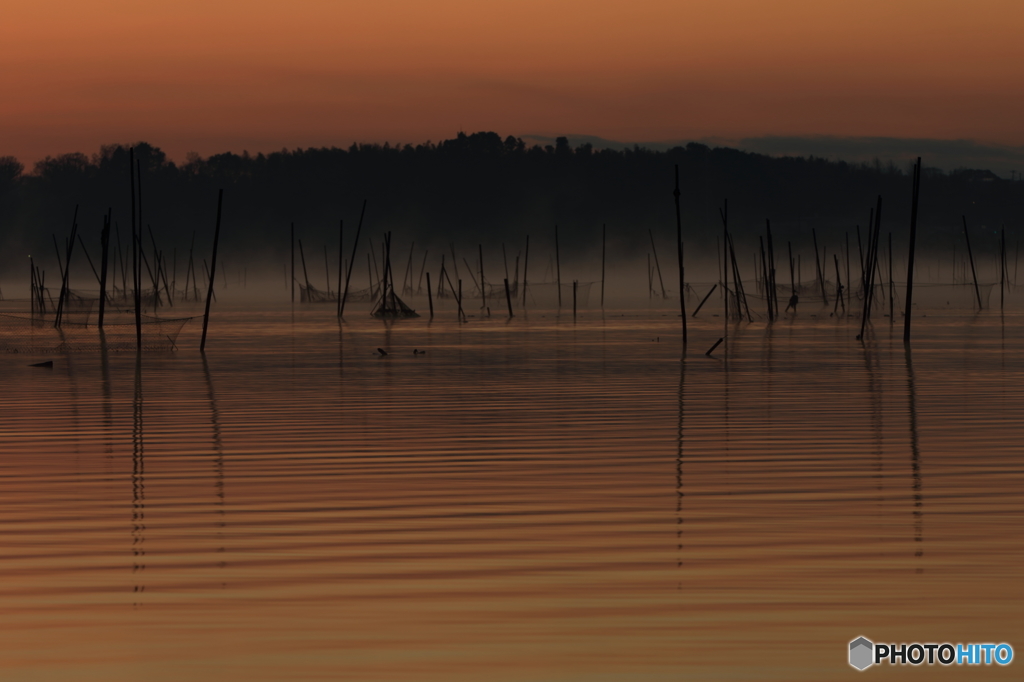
(944, 154)
(259, 76)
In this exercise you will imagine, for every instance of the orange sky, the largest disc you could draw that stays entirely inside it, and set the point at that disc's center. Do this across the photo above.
(221, 75)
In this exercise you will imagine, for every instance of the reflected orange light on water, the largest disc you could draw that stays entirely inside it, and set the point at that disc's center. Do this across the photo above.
(533, 499)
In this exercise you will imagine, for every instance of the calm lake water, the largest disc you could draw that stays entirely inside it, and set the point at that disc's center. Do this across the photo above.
(533, 500)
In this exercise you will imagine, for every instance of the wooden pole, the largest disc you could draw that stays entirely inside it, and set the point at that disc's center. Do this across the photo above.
(871, 263)
(32, 286)
(574, 283)
(892, 310)
(603, 244)
(85, 251)
(430, 297)
(305, 274)
(105, 242)
(457, 293)
(773, 292)
(508, 298)
(792, 264)
(741, 296)
(724, 213)
(67, 270)
(158, 262)
(526, 262)
(293, 262)
(469, 269)
(60, 260)
(423, 267)
(705, 299)
(348, 275)
(191, 270)
(764, 280)
(650, 278)
(657, 266)
(839, 288)
(558, 270)
(504, 258)
(206, 269)
(1002, 266)
(819, 267)
(341, 259)
(124, 262)
(327, 272)
(213, 270)
(849, 301)
(135, 258)
(679, 253)
(408, 272)
(141, 248)
(455, 262)
(149, 271)
(483, 290)
(970, 254)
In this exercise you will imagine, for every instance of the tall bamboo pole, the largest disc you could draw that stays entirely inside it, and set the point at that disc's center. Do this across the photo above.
(136, 270)
(105, 241)
(526, 262)
(603, 244)
(558, 270)
(679, 253)
(341, 259)
(213, 271)
(908, 313)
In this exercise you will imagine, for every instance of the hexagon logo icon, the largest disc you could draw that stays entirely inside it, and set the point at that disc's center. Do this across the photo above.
(861, 653)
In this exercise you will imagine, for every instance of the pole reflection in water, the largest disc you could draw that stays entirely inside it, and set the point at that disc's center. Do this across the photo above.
(872, 371)
(679, 464)
(218, 450)
(915, 458)
(138, 482)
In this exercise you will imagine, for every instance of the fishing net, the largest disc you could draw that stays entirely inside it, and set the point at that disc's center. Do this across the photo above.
(310, 294)
(119, 298)
(39, 336)
(391, 306)
(366, 295)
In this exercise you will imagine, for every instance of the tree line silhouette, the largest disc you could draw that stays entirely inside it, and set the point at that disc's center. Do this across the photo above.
(482, 188)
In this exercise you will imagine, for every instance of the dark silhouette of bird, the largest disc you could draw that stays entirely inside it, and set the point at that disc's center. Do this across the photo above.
(418, 352)
(382, 352)
(793, 300)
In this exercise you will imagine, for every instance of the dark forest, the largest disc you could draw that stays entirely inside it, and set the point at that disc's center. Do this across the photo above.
(480, 188)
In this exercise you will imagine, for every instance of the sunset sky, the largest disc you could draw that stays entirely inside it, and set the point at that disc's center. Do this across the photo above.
(222, 75)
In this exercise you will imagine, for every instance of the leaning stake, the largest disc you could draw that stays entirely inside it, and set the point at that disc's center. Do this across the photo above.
(430, 297)
(348, 275)
(213, 271)
(717, 343)
(974, 273)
